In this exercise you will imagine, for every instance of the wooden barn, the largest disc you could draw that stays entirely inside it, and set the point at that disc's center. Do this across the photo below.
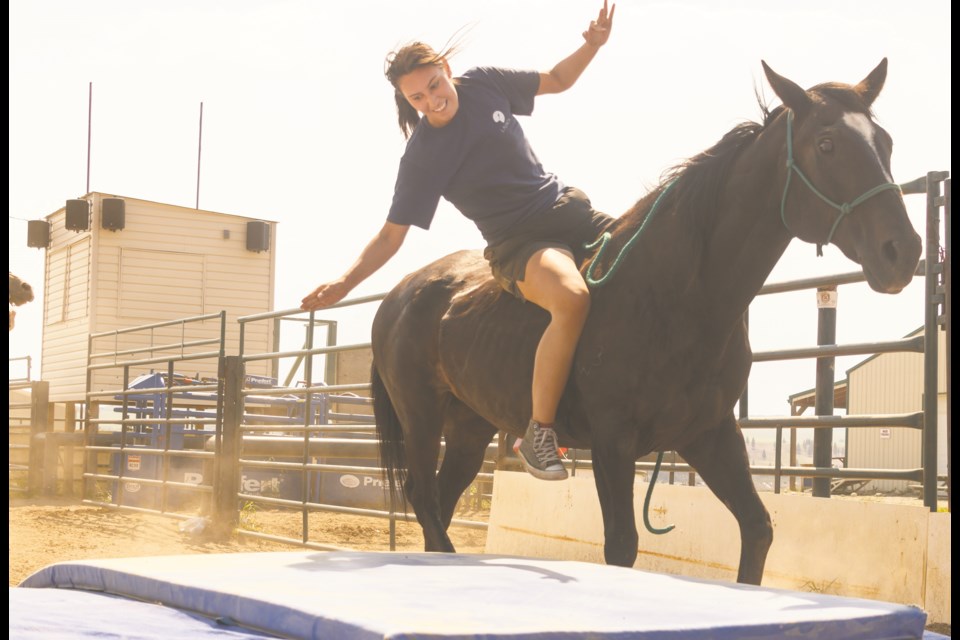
(115, 262)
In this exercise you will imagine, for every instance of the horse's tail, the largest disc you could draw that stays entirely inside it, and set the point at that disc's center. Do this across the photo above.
(390, 441)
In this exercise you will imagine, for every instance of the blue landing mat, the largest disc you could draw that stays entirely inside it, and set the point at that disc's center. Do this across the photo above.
(374, 595)
(69, 614)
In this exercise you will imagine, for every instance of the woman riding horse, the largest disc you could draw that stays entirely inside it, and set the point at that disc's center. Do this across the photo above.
(665, 353)
(469, 148)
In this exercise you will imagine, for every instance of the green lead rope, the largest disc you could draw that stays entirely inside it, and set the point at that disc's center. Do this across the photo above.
(599, 282)
(605, 238)
(646, 501)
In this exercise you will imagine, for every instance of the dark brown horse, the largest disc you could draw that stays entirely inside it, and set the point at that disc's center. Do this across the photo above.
(665, 353)
(20, 293)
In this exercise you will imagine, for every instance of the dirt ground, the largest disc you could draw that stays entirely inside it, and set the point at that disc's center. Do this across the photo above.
(45, 531)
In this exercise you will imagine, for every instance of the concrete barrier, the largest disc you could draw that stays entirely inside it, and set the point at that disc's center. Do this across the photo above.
(879, 551)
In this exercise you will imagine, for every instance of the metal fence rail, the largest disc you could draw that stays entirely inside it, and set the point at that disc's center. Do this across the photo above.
(935, 271)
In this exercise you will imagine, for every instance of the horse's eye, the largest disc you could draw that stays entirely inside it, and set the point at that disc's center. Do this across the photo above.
(825, 145)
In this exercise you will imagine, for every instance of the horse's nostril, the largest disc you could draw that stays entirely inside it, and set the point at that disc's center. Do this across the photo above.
(890, 251)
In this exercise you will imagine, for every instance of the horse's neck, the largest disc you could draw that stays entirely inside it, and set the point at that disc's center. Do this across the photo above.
(747, 238)
(713, 264)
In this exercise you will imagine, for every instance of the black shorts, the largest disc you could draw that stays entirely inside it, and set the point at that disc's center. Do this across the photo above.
(570, 224)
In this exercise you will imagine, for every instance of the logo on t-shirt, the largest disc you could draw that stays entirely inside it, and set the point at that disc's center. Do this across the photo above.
(499, 117)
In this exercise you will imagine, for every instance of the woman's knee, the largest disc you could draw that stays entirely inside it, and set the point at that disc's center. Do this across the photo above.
(573, 304)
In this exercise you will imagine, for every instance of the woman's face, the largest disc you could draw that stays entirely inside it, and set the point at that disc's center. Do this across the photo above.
(430, 90)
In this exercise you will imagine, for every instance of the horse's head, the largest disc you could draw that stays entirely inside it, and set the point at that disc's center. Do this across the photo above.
(838, 186)
(20, 291)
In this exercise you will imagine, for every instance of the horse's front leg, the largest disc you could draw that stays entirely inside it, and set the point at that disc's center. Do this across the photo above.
(720, 457)
(613, 471)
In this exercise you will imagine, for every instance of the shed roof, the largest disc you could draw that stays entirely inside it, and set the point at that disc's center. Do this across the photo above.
(163, 204)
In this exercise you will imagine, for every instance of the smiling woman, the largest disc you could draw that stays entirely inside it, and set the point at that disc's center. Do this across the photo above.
(465, 144)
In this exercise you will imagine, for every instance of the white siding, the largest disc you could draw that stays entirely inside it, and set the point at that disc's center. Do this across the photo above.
(889, 383)
(159, 285)
(66, 305)
(167, 263)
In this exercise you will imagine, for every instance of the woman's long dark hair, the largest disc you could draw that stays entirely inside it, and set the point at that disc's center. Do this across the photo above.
(406, 59)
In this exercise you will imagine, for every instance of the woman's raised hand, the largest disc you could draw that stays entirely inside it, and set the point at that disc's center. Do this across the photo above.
(599, 30)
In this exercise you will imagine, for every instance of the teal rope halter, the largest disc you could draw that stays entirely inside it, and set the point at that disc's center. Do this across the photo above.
(844, 208)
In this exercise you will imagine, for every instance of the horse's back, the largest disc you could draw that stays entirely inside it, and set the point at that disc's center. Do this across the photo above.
(449, 328)
(429, 290)
(406, 326)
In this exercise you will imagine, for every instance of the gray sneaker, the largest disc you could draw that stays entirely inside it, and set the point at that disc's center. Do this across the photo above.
(538, 452)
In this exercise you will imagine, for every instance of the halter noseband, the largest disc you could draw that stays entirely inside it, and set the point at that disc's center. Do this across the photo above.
(844, 208)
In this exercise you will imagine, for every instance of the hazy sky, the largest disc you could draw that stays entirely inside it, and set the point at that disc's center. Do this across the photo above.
(299, 125)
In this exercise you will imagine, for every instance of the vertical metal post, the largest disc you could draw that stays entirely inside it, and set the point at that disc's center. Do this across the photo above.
(330, 359)
(218, 426)
(947, 304)
(121, 485)
(167, 436)
(89, 132)
(826, 335)
(793, 457)
(226, 515)
(69, 426)
(930, 341)
(307, 422)
(778, 459)
(275, 362)
(90, 460)
(39, 414)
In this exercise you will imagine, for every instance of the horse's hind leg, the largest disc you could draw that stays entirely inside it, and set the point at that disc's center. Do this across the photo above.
(720, 457)
(466, 437)
(423, 425)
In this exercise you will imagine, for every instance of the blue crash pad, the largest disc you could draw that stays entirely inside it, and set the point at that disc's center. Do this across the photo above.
(374, 595)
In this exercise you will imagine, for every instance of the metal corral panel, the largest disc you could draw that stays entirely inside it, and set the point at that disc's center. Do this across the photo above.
(168, 262)
(18, 433)
(890, 383)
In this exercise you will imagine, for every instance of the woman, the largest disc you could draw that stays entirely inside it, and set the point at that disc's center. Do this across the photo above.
(465, 144)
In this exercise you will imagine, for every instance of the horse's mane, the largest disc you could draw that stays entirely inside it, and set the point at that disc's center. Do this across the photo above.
(697, 181)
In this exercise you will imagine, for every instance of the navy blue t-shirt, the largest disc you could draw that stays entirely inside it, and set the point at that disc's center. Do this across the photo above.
(480, 161)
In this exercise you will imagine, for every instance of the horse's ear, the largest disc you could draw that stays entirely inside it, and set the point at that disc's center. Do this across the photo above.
(869, 88)
(792, 95)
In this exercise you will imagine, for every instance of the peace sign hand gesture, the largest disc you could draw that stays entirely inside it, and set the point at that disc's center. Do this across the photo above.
(598, 32)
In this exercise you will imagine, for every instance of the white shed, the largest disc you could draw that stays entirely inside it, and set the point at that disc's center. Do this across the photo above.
(893, 383)
(115, 262)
